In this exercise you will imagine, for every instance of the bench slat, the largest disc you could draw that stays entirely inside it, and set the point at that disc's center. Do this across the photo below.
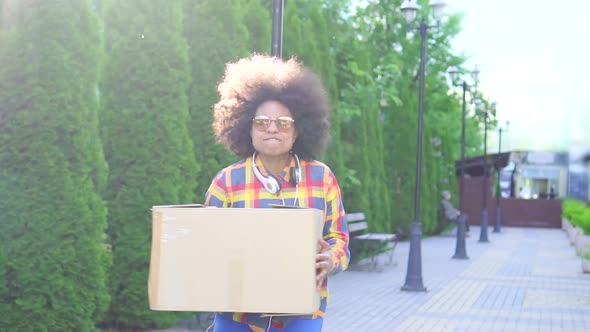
(359, 226)
(352, 217)
(376, 236)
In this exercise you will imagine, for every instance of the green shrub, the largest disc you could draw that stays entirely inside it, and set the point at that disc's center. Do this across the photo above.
(583, 220)
(53, 262)
(144, 130)
(578, 213)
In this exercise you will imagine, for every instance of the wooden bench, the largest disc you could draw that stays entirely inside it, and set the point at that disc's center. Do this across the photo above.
(371, 244)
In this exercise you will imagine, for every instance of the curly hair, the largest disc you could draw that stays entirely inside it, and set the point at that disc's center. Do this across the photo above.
(252, 81)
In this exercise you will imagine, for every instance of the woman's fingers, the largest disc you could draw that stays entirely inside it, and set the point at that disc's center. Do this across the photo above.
(324, 246)
(323, 262)
(322, 269)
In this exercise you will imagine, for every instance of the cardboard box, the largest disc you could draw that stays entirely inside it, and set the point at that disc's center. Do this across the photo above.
(234, 260)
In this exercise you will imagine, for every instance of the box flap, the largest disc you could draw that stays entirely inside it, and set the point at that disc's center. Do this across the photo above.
(279, 206)
(180, 206)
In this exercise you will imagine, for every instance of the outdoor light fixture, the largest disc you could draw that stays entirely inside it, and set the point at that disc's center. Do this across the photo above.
(498, 216)
(409, 9)
(438, 7)
(483, 237)
(479, 105)
(278, 7)
(455, 75)
(475, 75)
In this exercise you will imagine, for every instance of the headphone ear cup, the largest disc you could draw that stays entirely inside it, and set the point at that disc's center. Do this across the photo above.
(271, 183)
(295, 175)
(275, 183)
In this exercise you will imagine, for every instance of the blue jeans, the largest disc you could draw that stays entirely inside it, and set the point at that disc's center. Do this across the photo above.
(297, 325)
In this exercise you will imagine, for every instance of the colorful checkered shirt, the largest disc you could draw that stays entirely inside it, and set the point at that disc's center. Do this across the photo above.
(236, 186)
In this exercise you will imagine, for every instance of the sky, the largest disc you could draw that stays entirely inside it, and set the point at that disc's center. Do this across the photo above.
(534, 58)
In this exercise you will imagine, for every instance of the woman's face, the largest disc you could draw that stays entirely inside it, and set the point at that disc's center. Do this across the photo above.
(273, 130)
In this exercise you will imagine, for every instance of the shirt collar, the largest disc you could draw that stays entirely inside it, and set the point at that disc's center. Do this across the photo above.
(285, 173)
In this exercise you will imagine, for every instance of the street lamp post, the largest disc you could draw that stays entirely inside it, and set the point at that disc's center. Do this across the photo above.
(454, 74)
(498, 217)
(460, 250)
(277, 28)
(414, 273)
(483, 237)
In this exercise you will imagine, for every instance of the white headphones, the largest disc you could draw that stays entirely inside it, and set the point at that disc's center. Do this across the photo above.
(271, 183)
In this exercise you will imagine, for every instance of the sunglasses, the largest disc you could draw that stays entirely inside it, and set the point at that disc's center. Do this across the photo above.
(262, 122)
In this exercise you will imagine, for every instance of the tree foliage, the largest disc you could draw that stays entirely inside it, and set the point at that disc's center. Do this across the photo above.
(53, 260)
(133, 88)
(144, 122)
(217, 32)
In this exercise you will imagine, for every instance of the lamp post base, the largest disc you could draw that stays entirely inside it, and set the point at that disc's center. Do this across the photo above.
(414, 288)
(483, 237)
(414, 274)
(498, 219)
(460, 251)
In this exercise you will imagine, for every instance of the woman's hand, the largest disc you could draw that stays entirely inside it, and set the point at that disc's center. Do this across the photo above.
(323, 263)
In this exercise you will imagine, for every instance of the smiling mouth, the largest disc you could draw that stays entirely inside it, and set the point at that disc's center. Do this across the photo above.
(272, 139)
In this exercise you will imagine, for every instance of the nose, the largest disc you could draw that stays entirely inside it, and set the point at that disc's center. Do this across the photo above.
(273, 127)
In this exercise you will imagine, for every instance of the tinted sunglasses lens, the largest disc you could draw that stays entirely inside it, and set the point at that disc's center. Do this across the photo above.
(261, 123)
(282, 123)
(285, 123)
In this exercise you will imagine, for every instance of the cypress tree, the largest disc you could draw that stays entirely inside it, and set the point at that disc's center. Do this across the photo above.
(320, 47)
(373, 173)
(293, 43)
(52, 255)
(257, 21)
(428, 188)
(144, 130)
(216, 35)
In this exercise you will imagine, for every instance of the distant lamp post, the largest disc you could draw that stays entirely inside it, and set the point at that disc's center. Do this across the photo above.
(455, 75)
(483, 237)
(277, 28)
(498, 217)
(414, 273)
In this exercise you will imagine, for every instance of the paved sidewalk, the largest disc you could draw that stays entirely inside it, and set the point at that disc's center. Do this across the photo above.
(524, 279)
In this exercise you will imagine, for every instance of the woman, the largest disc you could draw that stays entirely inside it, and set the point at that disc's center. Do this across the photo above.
(274, 115)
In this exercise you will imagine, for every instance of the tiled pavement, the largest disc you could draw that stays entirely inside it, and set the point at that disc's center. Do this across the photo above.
(524, 279)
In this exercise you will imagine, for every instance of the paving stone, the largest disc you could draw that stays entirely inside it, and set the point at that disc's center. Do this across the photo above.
(524, 279)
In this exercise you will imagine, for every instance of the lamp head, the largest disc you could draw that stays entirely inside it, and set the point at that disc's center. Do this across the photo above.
(409, 9)
(453, 74)
(475, 75)
(479, 105)
(437, 7)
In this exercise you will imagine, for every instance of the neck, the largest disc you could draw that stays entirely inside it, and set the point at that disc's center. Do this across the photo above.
(275, 164)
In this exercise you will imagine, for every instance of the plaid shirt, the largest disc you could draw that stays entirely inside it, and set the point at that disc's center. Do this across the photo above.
(236, 186)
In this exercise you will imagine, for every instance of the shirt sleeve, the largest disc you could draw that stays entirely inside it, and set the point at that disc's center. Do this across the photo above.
(217, 194)
(335, 231)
